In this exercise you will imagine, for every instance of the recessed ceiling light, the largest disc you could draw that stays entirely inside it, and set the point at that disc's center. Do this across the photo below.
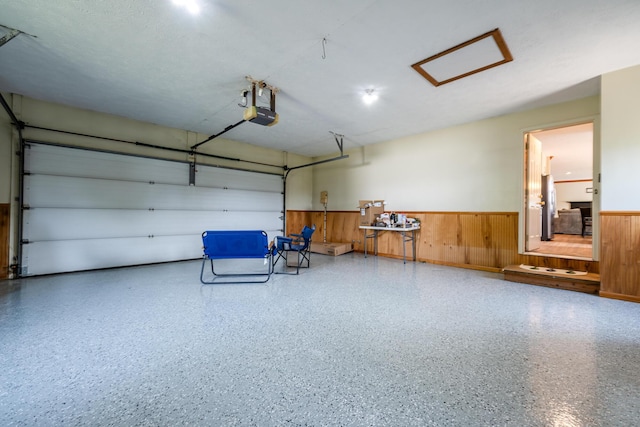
(369, 96)
(568, 173)
(191, 5)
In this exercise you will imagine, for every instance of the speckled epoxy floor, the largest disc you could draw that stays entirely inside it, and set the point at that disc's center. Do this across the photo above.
(349, 342)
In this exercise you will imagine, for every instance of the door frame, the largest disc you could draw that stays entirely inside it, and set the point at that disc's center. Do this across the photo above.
(522, 217)
(532, 201)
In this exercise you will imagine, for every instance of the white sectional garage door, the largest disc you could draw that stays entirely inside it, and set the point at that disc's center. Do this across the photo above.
(89, 209)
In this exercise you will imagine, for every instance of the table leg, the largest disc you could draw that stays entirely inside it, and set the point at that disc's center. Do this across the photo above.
(375, 242)
(365, 243)
(413, 242)
(404, 244)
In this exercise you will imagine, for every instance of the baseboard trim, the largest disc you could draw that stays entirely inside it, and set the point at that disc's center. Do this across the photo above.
(623, 297)
(467, 266)
(447, 264)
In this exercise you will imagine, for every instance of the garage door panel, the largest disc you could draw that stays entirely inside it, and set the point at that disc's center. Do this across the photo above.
(76, 255)
(75, 192)
(237, 180)
(71, 224)
(55, 160)
(233, 200)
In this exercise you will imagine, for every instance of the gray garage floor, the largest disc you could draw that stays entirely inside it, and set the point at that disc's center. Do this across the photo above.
(349, 342)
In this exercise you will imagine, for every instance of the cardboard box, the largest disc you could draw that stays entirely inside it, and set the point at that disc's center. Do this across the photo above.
(333, 249)
(369, 210)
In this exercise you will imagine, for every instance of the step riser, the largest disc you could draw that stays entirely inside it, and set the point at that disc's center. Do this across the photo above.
(552, 282)
(587, 283)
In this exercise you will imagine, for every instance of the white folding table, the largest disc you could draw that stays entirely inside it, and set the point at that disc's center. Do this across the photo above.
(408, 235)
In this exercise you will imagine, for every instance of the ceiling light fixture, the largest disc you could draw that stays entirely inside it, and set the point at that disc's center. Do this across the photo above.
(191, 5)
(369, 97)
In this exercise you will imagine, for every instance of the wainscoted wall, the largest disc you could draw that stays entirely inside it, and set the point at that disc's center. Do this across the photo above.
(478, 240)
(4, 240)
(620, 255)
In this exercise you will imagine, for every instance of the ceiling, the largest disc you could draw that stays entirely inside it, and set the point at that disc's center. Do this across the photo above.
(569, 150)
(153, 61)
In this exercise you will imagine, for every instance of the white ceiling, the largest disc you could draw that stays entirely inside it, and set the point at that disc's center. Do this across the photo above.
(570, 150)
(151, 61)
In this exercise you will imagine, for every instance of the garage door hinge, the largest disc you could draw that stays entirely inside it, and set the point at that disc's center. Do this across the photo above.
(26, 207)
(25, 241)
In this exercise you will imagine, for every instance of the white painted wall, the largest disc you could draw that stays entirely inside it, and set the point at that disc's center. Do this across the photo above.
(299, 184)
(620, 154)
(572, 192)
(474, 167)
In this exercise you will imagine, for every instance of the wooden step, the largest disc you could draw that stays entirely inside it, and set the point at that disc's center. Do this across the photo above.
(561, 279)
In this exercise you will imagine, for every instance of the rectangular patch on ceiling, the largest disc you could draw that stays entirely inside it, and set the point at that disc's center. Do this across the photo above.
(473, 56)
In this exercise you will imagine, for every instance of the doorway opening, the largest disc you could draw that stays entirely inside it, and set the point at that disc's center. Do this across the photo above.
(559, 191)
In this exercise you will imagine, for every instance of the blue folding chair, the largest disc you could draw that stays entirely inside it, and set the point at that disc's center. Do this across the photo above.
(299, 245)
(242, 244)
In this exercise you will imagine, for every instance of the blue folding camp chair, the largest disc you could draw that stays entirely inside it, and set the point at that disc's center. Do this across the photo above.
(298, 245)
(242, 244)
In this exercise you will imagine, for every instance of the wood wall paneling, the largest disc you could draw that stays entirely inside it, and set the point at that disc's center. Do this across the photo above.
(620, 255)
(479, 240)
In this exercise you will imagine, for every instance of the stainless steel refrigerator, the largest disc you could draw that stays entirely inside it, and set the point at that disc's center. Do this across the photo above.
(548, 207)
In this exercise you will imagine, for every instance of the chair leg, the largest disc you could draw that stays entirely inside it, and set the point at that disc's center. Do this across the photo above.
(298, 262)
(204, 261)
(284, 255)
(305, 257)
(277, 258)
(300, 259)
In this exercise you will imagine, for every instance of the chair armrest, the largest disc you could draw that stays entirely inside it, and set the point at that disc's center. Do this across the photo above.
(282, 242)
(297, 238)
